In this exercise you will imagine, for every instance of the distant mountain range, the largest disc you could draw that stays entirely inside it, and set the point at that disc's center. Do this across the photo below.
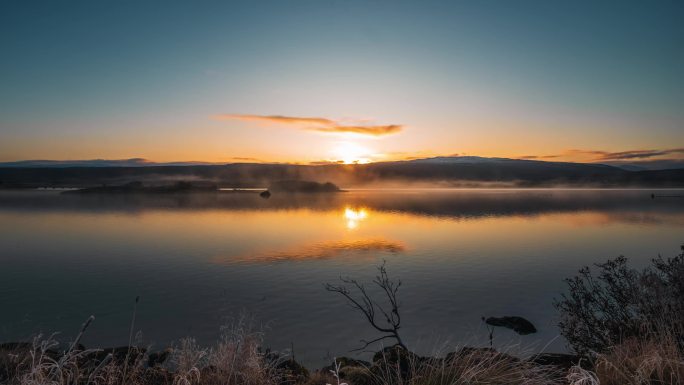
(666, 164)
(133, 162)
(442, 171)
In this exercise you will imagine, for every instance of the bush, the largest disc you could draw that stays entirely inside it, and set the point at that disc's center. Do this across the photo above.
(620, 302)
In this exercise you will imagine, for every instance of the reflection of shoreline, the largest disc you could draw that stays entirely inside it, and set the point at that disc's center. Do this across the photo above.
(625, 206)
(320, 251)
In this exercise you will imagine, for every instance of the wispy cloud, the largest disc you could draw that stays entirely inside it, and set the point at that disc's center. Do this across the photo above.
(606, 156)
(639, 154)
(318, 124)
(364, 130)
(246, 159)
(278, 119)
(539, 156)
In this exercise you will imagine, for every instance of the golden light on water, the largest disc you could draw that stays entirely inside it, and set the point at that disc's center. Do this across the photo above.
(354, 216)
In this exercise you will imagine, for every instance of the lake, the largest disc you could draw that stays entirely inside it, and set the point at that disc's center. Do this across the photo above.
(196, 260)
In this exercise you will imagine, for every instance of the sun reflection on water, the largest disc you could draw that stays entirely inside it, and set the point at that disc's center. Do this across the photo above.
(354, 216)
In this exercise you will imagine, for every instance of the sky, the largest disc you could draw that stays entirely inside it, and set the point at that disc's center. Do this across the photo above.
(351, 81)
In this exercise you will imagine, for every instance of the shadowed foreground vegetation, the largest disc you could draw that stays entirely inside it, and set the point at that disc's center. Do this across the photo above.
(625, 327)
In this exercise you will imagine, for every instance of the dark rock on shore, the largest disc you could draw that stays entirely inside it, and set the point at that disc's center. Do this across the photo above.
(119, 355)
(158, 358)
(345, 362)
(157, 376)
(14, 355)
(391, 358)
(518, 324)
(292, 371)
(477, 355)
(561, 360)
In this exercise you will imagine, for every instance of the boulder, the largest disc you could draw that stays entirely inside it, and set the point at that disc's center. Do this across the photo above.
(562, 360)
(158, 358)
(357, 375)
(476, 355)
(157, 376)
(119, 355)
(395, 360)
(15, 355)
(345, 362)
(292, 372)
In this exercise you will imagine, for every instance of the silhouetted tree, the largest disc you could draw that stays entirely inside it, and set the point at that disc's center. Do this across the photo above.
(385, 319)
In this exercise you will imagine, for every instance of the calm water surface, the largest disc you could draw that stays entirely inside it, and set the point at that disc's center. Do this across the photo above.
(197, 259)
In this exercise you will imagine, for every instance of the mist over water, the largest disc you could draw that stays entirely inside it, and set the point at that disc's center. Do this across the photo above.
(197, 258)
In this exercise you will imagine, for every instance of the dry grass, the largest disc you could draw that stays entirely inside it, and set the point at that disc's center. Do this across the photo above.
(642, 362)
(466, 367)
(235, 359)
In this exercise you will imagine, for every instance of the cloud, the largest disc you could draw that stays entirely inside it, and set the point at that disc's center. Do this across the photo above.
(246, 159)
(364, 130)
(639, 154)
(539, 156)
(278, 119)
(317, 124)
(320, 250)
(606, 156)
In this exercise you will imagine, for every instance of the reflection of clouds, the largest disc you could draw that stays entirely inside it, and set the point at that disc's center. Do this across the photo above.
(354, 216)
(319, 250)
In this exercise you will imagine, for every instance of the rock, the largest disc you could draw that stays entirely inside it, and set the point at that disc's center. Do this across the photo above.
(14, 346)
(157, 376)
(265, 194)
(14, 355)
(158, 358)
(345, 362)
(119, 355)
(518, 324)
(292, 371)
(396, 358)
(357, 375)
(562, 360)
(476, 355)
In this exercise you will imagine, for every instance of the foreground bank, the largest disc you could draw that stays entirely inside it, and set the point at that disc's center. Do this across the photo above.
(624, 325)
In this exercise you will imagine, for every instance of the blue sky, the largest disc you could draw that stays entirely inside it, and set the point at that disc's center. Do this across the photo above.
(123, 79)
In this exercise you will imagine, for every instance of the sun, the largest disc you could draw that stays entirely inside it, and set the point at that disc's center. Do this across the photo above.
(352, 153)
(354, 216)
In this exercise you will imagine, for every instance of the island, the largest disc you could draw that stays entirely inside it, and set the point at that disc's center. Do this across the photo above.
(302, 186)
(138, 187)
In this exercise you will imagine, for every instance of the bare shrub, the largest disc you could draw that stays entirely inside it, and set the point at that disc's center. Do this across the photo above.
(600, 311)
(388, 321)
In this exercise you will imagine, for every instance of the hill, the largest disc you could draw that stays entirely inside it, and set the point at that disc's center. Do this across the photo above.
(443, 171)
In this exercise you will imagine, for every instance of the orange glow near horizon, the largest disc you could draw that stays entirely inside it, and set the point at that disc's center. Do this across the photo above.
(304, 148)
(351, 153)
